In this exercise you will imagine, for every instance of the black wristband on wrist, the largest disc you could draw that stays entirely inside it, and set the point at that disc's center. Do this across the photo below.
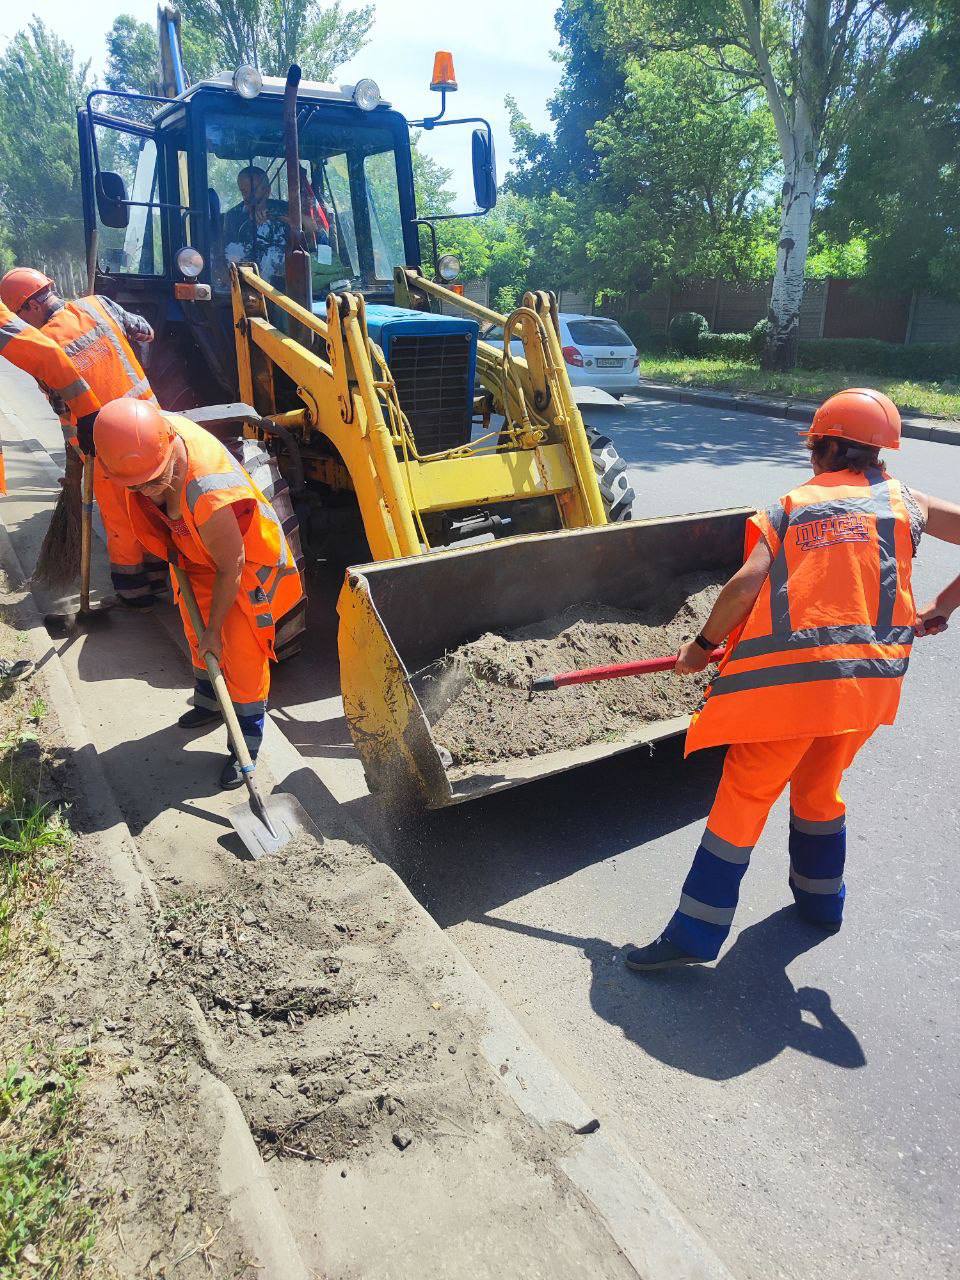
(707, 645)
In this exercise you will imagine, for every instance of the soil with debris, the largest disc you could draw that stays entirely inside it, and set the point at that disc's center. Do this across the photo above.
(477, 698)
(324, 1039)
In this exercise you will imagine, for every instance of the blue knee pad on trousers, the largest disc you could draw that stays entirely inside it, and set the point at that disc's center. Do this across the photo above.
(816, 874)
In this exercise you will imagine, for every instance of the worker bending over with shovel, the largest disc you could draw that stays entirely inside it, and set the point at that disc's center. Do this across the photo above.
(192, 505)
(98, 337)
(820, 621)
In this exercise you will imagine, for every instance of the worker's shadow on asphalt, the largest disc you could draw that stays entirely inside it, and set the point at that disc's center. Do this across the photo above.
(720, 1022)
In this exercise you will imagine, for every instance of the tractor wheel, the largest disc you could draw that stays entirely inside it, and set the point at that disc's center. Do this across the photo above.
(615, 487)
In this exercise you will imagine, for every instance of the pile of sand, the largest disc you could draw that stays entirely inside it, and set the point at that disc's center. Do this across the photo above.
(477, 702)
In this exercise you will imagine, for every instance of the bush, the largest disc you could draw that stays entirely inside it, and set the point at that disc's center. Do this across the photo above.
(928, 360)
(685, 331)
(759, 336)
(731, 346)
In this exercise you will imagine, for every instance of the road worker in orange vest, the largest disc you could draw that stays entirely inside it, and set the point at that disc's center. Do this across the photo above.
(192, 505)
(47, 364)
(99, 337)
(819, 623)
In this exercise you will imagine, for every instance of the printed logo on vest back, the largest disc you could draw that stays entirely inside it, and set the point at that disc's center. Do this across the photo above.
(829, 532)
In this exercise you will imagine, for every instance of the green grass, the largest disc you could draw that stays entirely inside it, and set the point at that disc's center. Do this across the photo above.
(46, 1228)
(934, 399)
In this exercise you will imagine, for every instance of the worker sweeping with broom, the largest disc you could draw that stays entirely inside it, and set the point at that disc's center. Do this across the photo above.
(820, 621)
(192, 505)
(98, 337)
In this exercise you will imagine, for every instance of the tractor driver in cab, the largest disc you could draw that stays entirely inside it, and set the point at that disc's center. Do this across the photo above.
(255, 230)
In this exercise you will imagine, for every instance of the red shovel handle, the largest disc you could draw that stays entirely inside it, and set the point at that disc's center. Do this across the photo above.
(588, 675)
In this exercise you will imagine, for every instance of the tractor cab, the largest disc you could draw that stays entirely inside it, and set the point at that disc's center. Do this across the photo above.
(176, 189)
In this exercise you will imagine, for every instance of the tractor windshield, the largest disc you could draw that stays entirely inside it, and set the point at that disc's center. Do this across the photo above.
(348, 190)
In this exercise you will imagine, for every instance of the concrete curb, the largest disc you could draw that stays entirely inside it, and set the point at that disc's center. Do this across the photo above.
(913, 427)
(243, 1177)
(644, 1224)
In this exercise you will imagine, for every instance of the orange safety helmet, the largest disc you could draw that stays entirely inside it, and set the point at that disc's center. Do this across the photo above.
(861, 415)
(133, 440)
(21, 284)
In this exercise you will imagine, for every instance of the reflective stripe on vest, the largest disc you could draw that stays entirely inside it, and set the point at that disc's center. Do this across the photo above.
(106, 327)
(800, 673)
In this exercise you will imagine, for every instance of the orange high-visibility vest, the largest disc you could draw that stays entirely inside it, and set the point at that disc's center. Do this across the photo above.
(86, 332)
(39, 355)
(270, 585)
(826, 645)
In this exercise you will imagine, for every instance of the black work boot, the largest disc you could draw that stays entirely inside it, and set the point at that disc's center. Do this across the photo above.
(662, 954)
(197, 717)
(137, 604)
(231, 775)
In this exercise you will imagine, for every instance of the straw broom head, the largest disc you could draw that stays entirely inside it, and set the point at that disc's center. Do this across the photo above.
(58, 564)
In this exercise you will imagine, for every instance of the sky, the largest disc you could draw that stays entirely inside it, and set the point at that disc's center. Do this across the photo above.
(499, 47)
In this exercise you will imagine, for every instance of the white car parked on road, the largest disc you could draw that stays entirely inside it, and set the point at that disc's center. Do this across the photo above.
(598, 353)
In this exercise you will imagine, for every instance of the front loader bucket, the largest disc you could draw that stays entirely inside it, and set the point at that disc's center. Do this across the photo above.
(399, 616)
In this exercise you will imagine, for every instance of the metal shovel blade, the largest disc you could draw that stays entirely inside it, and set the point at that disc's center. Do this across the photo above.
(285, 814)
(60, 625)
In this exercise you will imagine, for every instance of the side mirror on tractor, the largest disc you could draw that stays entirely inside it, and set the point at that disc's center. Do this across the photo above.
(484, 169)
(112, 204)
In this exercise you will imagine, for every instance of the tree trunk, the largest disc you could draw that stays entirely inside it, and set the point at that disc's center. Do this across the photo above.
(799, 197)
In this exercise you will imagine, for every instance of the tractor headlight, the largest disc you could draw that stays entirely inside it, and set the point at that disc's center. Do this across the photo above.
(247, 81)
(448, 267)
(366, 94)
(189, 262)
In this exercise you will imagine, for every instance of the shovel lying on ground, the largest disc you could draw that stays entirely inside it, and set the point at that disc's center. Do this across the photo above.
(589, 675)
(271, 823)
(87, 615)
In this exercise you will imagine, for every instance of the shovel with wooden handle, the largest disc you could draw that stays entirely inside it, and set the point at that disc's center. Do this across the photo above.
(273, 822)
(87, 615)
(589, 675)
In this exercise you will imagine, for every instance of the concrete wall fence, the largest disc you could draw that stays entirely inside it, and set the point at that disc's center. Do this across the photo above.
(830, 309)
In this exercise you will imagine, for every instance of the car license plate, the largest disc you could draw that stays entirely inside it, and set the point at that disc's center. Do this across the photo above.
(609, 364)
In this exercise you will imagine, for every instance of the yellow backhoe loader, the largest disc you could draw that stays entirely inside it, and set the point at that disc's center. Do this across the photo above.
(529, 451)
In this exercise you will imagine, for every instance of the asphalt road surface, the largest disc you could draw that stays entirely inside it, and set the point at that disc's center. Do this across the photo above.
(797, 1100)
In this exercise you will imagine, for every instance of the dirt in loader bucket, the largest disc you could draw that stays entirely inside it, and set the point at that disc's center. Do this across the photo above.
(437, 652)
(476, 697)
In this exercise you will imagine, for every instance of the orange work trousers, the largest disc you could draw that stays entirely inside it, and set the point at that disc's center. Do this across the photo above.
(134, 572)
(754, 776)
(245, 663)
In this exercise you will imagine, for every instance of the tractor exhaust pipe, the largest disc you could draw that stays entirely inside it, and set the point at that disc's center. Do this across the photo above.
(297, 266)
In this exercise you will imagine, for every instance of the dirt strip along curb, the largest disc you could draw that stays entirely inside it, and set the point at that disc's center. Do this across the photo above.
(913, 428)
(243, 1179)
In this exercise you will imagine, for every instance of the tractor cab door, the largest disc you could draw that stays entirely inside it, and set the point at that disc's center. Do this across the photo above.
(121, 175)
(141, 228)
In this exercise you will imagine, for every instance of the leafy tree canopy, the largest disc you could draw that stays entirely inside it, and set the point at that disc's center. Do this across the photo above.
(219, 35)
(41, 86)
